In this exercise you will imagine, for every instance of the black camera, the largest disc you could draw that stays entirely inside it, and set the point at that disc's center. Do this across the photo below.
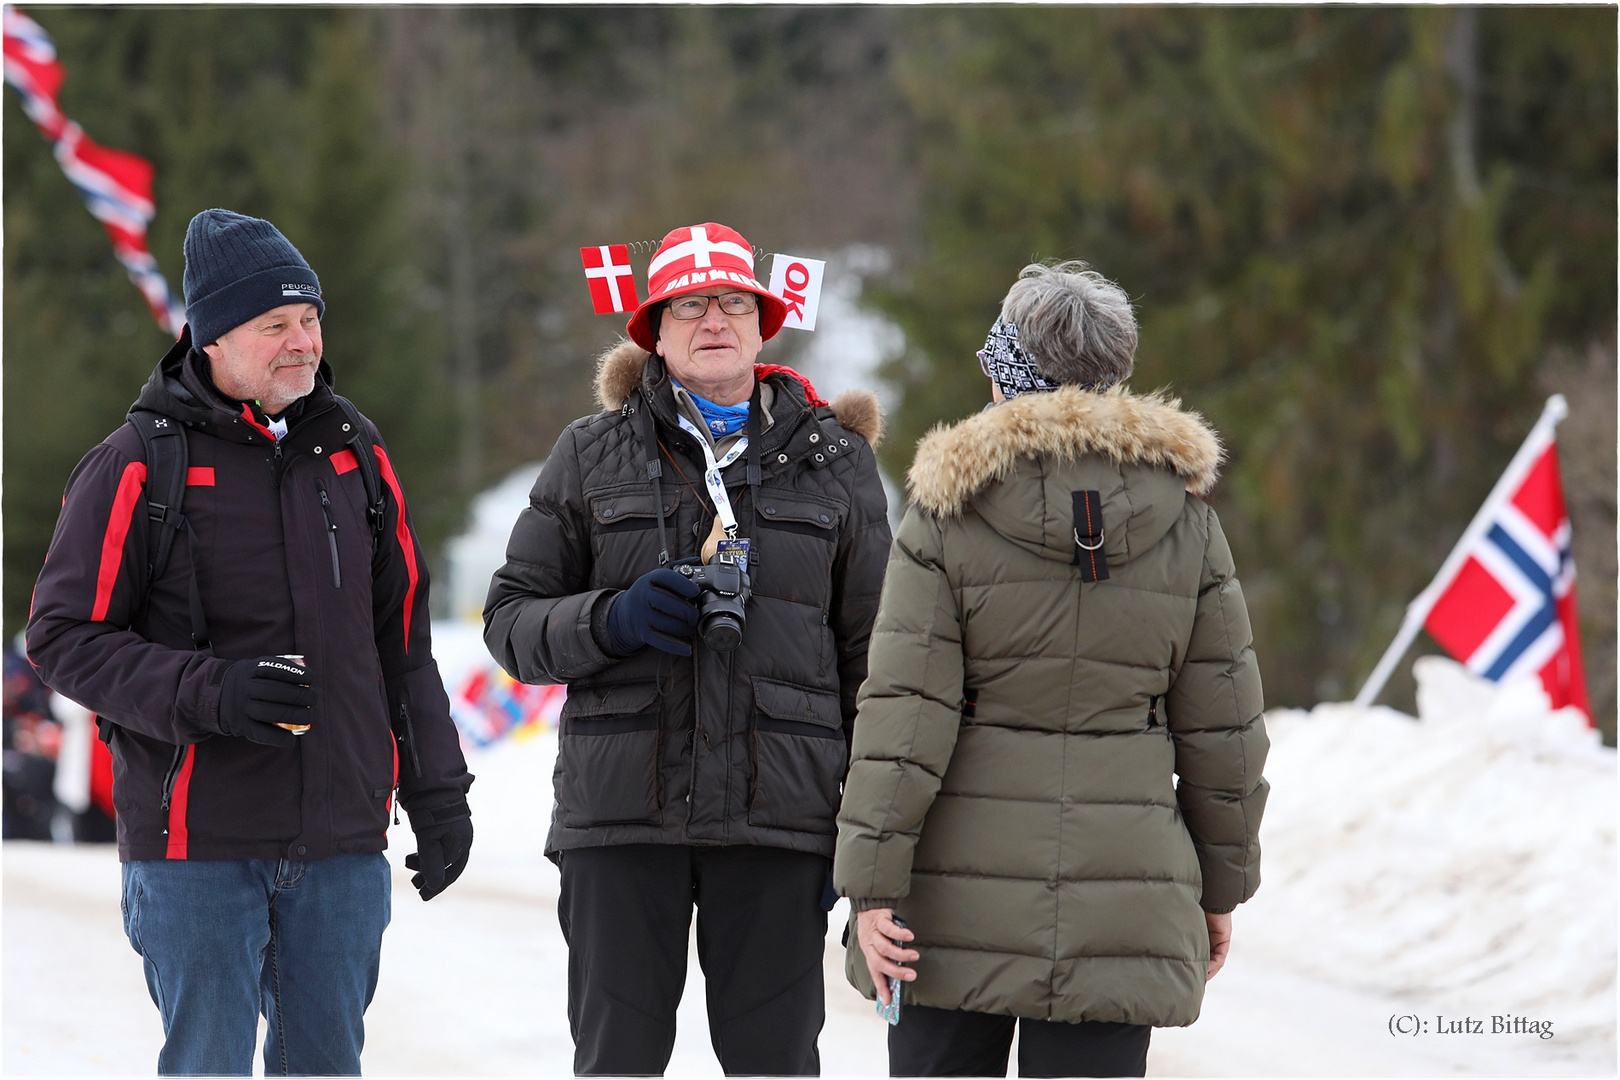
(720, 604)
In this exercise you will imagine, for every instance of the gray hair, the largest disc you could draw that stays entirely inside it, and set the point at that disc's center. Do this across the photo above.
(1074, 324)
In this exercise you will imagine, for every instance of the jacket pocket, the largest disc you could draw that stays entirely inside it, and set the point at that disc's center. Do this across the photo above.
(799, 758)
(797, 538)
(624, 534)
(331, 537)
(607, 756)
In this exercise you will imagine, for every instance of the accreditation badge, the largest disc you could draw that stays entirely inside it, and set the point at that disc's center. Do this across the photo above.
(737, 547)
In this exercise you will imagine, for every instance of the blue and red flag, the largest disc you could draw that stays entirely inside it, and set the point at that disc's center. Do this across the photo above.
(116, 186)
(490, 705)
(1503, 603)
(1509, 608)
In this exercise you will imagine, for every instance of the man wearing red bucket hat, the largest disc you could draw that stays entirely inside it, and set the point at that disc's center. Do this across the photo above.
(701, 564)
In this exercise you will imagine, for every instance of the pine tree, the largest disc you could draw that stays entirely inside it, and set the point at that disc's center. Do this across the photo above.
(269, 112)
(1337, 227)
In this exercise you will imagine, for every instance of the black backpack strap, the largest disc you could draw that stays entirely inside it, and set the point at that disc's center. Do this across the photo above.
(167, 460)
(163, 438)
(366, 455)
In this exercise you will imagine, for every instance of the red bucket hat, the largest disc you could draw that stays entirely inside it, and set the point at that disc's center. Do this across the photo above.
(693, 258)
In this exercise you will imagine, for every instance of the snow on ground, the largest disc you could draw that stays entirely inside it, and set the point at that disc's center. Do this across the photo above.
(1459, 867)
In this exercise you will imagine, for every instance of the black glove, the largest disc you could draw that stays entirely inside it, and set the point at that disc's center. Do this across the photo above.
(443, 839)
(259, 694)
(657, 610)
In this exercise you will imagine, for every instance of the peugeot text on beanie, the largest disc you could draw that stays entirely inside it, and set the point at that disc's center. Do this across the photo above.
(238, 268)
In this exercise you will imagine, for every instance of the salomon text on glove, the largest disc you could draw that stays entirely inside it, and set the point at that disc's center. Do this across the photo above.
(660, 610)
(259, 695)
(443, 839)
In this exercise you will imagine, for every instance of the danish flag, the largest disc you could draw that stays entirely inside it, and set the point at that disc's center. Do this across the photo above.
(612, 282)
(116, 186)
(1504, 601)
(701, 250)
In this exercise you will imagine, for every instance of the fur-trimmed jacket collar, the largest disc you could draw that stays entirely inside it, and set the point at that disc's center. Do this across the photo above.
(956, 463)
(620, 368)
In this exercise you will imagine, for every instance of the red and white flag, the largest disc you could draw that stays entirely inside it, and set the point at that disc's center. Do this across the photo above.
(797, 280)
(612, 282)
(116, 186)
(1504, 601)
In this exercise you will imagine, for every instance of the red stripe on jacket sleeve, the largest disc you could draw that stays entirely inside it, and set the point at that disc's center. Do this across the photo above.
(402, 533)
(112, 541)
(344, 461)
(200, 476)
(181, 795)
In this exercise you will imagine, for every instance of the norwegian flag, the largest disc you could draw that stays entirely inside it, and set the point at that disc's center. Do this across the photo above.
(116, 186)
(1504, 601)
(490, 705)
(612, 282)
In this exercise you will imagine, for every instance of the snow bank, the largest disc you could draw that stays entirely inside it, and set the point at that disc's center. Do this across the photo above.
(1461, 865)
(1465, 862)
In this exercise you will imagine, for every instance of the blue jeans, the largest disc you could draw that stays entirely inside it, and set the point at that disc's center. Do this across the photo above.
(224, 940)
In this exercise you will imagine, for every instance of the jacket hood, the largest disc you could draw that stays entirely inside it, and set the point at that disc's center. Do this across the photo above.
(620, 367)
(180, 386)
(1018, 463)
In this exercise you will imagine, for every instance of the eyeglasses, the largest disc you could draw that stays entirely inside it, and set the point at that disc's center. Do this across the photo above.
(687, 308)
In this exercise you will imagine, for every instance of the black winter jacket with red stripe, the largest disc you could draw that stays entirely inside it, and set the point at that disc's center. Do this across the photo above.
(286, 564)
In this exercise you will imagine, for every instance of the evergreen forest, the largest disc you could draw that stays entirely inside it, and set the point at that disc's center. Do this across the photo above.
(1366, 242)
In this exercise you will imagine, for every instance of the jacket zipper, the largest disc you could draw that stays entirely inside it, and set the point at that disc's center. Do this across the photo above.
(276, 463)
(331, 538)
(406, 735)
(409, 738)
(168, 781)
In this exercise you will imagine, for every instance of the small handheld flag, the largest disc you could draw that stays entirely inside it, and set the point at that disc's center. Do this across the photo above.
(1503, 603)
(612, 282)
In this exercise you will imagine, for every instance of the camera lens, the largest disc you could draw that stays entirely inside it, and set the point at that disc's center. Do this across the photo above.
(722, 632)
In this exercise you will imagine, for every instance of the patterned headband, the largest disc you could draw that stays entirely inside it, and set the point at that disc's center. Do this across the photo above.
(1008, 366)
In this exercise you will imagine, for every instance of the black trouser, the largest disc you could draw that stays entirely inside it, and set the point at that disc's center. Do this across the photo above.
(625, 913)
(954, 1042)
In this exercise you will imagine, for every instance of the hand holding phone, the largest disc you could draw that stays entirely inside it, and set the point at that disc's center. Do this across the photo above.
(883, 940)
(891, 1011)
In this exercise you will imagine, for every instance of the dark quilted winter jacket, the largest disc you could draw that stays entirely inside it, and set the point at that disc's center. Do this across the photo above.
(285, 566)
(747, 747)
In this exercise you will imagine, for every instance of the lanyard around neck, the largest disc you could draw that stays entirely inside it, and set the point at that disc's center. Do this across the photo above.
(655, 468)
(711, 473)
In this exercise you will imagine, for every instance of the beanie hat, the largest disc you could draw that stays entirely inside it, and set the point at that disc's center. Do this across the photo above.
(238, 268)
(693, 258)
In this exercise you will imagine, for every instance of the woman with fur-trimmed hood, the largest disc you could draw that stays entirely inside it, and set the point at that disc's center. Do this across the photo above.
(1061, 639)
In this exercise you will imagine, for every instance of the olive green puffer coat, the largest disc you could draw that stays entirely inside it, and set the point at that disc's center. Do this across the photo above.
(1014, 786)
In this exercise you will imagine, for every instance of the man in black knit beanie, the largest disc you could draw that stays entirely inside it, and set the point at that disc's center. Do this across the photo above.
(267, 688)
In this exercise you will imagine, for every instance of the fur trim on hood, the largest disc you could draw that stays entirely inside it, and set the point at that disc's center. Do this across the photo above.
(619, 368)
(955, 463)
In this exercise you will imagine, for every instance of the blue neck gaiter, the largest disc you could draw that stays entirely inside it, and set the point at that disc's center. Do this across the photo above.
(722, 420)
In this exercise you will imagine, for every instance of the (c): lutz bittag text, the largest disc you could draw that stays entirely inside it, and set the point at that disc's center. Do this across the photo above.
(1497, 1024)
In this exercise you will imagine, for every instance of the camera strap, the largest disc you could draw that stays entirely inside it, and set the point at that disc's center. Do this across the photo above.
(655, 473)
(711, 473)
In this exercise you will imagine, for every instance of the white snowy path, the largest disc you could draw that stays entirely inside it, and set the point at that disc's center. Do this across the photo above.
(1445, 868)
